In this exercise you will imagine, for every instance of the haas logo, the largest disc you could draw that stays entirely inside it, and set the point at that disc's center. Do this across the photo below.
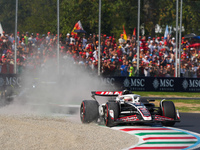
(109, 93)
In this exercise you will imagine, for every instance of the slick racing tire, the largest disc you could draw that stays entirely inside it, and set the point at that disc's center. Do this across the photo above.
(89, 111)
(168, 110)
(111, 113)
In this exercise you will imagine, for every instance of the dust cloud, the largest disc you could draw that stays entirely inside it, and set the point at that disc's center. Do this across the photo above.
(45, 92)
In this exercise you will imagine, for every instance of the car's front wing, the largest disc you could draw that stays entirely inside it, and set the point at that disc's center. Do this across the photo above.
(135, 119)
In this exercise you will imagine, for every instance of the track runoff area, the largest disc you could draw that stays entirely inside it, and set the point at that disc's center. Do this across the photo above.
(151, 137)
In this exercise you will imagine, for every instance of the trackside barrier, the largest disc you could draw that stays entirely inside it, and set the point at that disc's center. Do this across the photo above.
(165, 84)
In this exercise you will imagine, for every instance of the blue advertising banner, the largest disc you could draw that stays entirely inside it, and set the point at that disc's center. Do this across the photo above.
(164, 84)
(155, 84)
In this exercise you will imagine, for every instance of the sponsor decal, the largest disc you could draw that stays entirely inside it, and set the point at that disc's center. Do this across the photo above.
(162, 118)
(13, 81)
(163, 84)
(135, 84)
(109, 81)
(108, 92)
(194, 83)
(191, 84)
(144, 112)
(10, 80)
(128, 118)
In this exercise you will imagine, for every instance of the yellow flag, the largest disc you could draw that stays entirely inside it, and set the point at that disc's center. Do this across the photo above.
(124, 33)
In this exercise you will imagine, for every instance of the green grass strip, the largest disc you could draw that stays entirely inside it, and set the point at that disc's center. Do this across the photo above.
(183, 142)
(160, 133)
(185, 94)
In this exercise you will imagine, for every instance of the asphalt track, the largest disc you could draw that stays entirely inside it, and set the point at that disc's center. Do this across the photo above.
(190, 122)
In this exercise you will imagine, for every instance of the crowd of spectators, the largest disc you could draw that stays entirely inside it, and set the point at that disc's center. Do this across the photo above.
(118, 56)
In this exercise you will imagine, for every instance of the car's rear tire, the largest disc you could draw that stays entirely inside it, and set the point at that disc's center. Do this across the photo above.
(114, 108)
(168, 110)
(89, 111)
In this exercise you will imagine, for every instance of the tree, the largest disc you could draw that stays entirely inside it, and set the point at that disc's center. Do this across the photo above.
(41, 16)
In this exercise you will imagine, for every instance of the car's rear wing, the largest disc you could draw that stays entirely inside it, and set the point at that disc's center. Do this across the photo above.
(106, 93)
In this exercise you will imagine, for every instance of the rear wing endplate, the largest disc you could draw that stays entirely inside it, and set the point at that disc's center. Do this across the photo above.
(106, 93)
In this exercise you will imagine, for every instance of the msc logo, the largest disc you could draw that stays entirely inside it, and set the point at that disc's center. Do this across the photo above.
(10, 81)
(191, 83)
(164, 83)
(134, 82)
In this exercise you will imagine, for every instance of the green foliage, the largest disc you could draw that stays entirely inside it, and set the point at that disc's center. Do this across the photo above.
(7, 19)
(41, 16)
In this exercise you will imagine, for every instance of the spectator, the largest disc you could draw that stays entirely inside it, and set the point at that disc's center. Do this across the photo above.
(146, 71)
(124, 68)
(67, 39)
(156, 54)
(121, 40)
(48, 37)
(198, 71)
(26, 38)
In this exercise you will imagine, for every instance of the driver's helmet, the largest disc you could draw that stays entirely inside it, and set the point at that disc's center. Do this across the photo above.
(128, 99)
(124, 92)
(137, 99)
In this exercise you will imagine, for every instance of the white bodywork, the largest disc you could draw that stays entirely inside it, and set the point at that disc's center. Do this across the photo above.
(133, 100)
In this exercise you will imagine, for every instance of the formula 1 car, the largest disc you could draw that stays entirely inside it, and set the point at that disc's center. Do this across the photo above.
(126, 107)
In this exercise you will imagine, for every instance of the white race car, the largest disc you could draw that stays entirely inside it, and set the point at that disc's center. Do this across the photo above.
(127, 107)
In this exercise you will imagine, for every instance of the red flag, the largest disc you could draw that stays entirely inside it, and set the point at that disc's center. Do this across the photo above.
(77, 26)
(134, 32)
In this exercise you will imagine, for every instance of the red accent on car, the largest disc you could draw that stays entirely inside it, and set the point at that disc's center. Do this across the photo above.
(128, 118)
(162, 118)
(83, 111)
(114, 93)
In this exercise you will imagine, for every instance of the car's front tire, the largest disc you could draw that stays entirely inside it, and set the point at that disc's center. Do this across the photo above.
(111, 113)
(89, 111)
(168, 110)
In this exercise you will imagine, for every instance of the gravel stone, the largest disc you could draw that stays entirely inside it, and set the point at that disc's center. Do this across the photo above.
(35, 132)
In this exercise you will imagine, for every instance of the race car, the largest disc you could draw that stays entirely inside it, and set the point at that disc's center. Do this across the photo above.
(127, 107)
